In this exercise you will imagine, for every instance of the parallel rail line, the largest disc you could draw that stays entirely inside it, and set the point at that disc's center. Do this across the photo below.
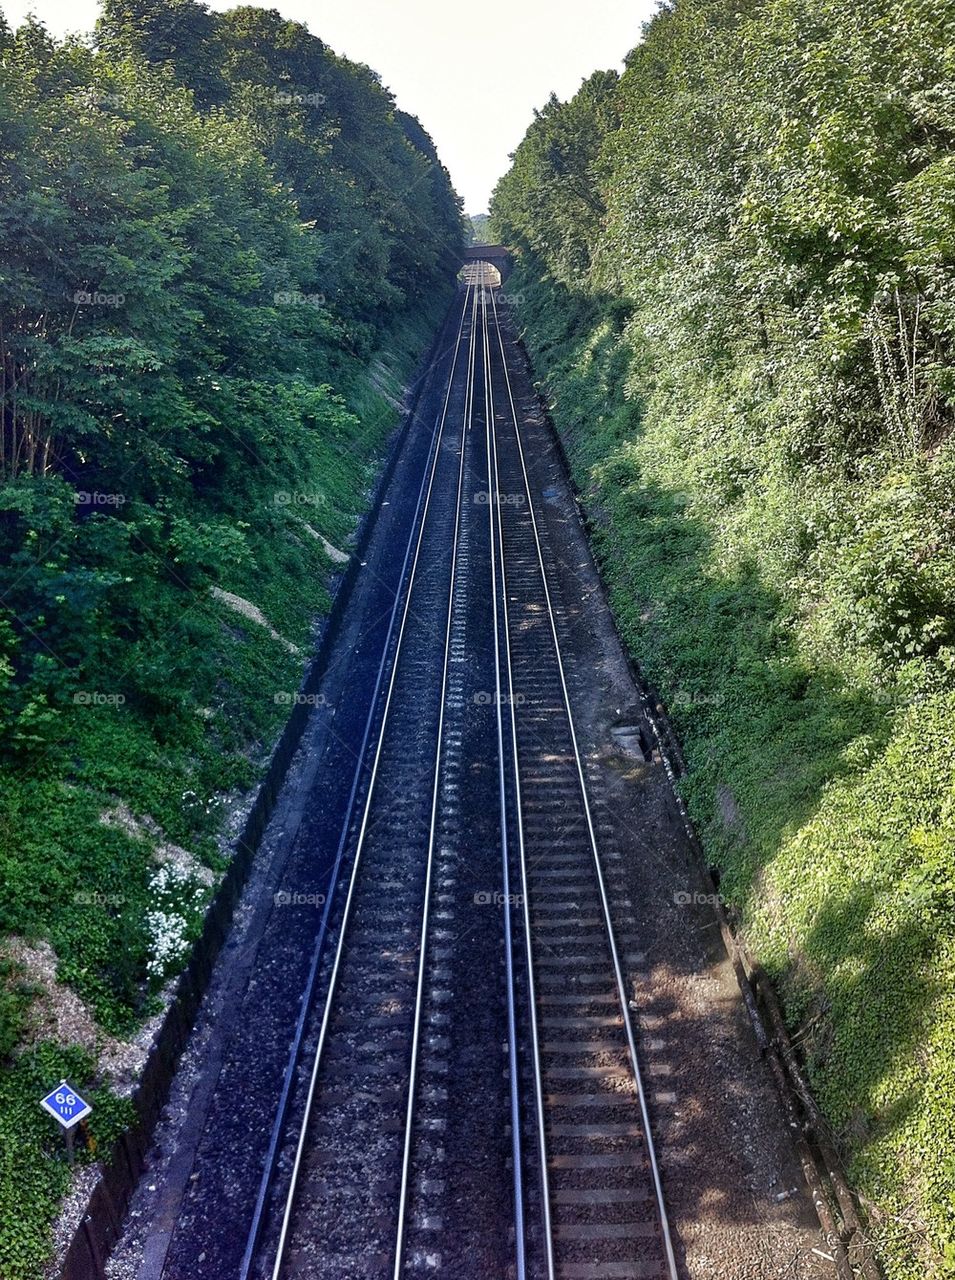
(383, 932)
(346, 1193)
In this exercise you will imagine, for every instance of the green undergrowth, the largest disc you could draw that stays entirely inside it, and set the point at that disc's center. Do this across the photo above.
(121, 773)
(798, 627)
(223, 250)
(34, 1173)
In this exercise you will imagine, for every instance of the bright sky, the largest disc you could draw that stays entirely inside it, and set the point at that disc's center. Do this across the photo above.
(473, 78)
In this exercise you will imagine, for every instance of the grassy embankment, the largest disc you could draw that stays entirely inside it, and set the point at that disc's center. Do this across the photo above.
(821, 781)
(109, 837)
(223, 250)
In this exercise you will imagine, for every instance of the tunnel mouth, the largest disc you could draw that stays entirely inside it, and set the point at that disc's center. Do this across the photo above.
(477, 271)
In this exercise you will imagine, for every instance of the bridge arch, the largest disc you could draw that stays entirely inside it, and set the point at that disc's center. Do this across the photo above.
(498, 255)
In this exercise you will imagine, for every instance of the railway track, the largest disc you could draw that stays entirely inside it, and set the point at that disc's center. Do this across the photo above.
(605, 1214)
(465, 1096)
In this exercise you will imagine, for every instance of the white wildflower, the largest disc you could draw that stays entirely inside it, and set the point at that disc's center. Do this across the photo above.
(177, 900)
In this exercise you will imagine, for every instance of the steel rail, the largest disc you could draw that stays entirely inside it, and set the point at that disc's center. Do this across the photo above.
(278, 1124)
(403, 1195)
(605, 903)
(495, 503)
(353, 879)
(513, 1065)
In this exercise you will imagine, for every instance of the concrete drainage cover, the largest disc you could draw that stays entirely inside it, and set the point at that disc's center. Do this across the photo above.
(631, 739)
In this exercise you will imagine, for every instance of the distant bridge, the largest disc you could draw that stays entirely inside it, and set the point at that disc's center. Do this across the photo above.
(498, 255)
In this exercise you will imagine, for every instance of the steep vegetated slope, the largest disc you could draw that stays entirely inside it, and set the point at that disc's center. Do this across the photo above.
(222, 250)
(737, 278)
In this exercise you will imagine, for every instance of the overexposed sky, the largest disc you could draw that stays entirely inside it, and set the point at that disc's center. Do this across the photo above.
(472, 78)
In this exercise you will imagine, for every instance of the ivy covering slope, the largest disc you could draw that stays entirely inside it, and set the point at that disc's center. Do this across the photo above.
(222, 251)
(737, 276)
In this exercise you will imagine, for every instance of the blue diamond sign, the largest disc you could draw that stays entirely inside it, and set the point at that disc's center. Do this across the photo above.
(66, 1105)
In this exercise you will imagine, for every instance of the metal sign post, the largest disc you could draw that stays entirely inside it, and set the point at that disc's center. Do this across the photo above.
(66, 1107)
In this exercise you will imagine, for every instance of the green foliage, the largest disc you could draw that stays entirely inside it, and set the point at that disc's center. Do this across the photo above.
(34, 1173)
(478, 229)
(749, 357)
(15, 997)
(222, 251)
(559, 153)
